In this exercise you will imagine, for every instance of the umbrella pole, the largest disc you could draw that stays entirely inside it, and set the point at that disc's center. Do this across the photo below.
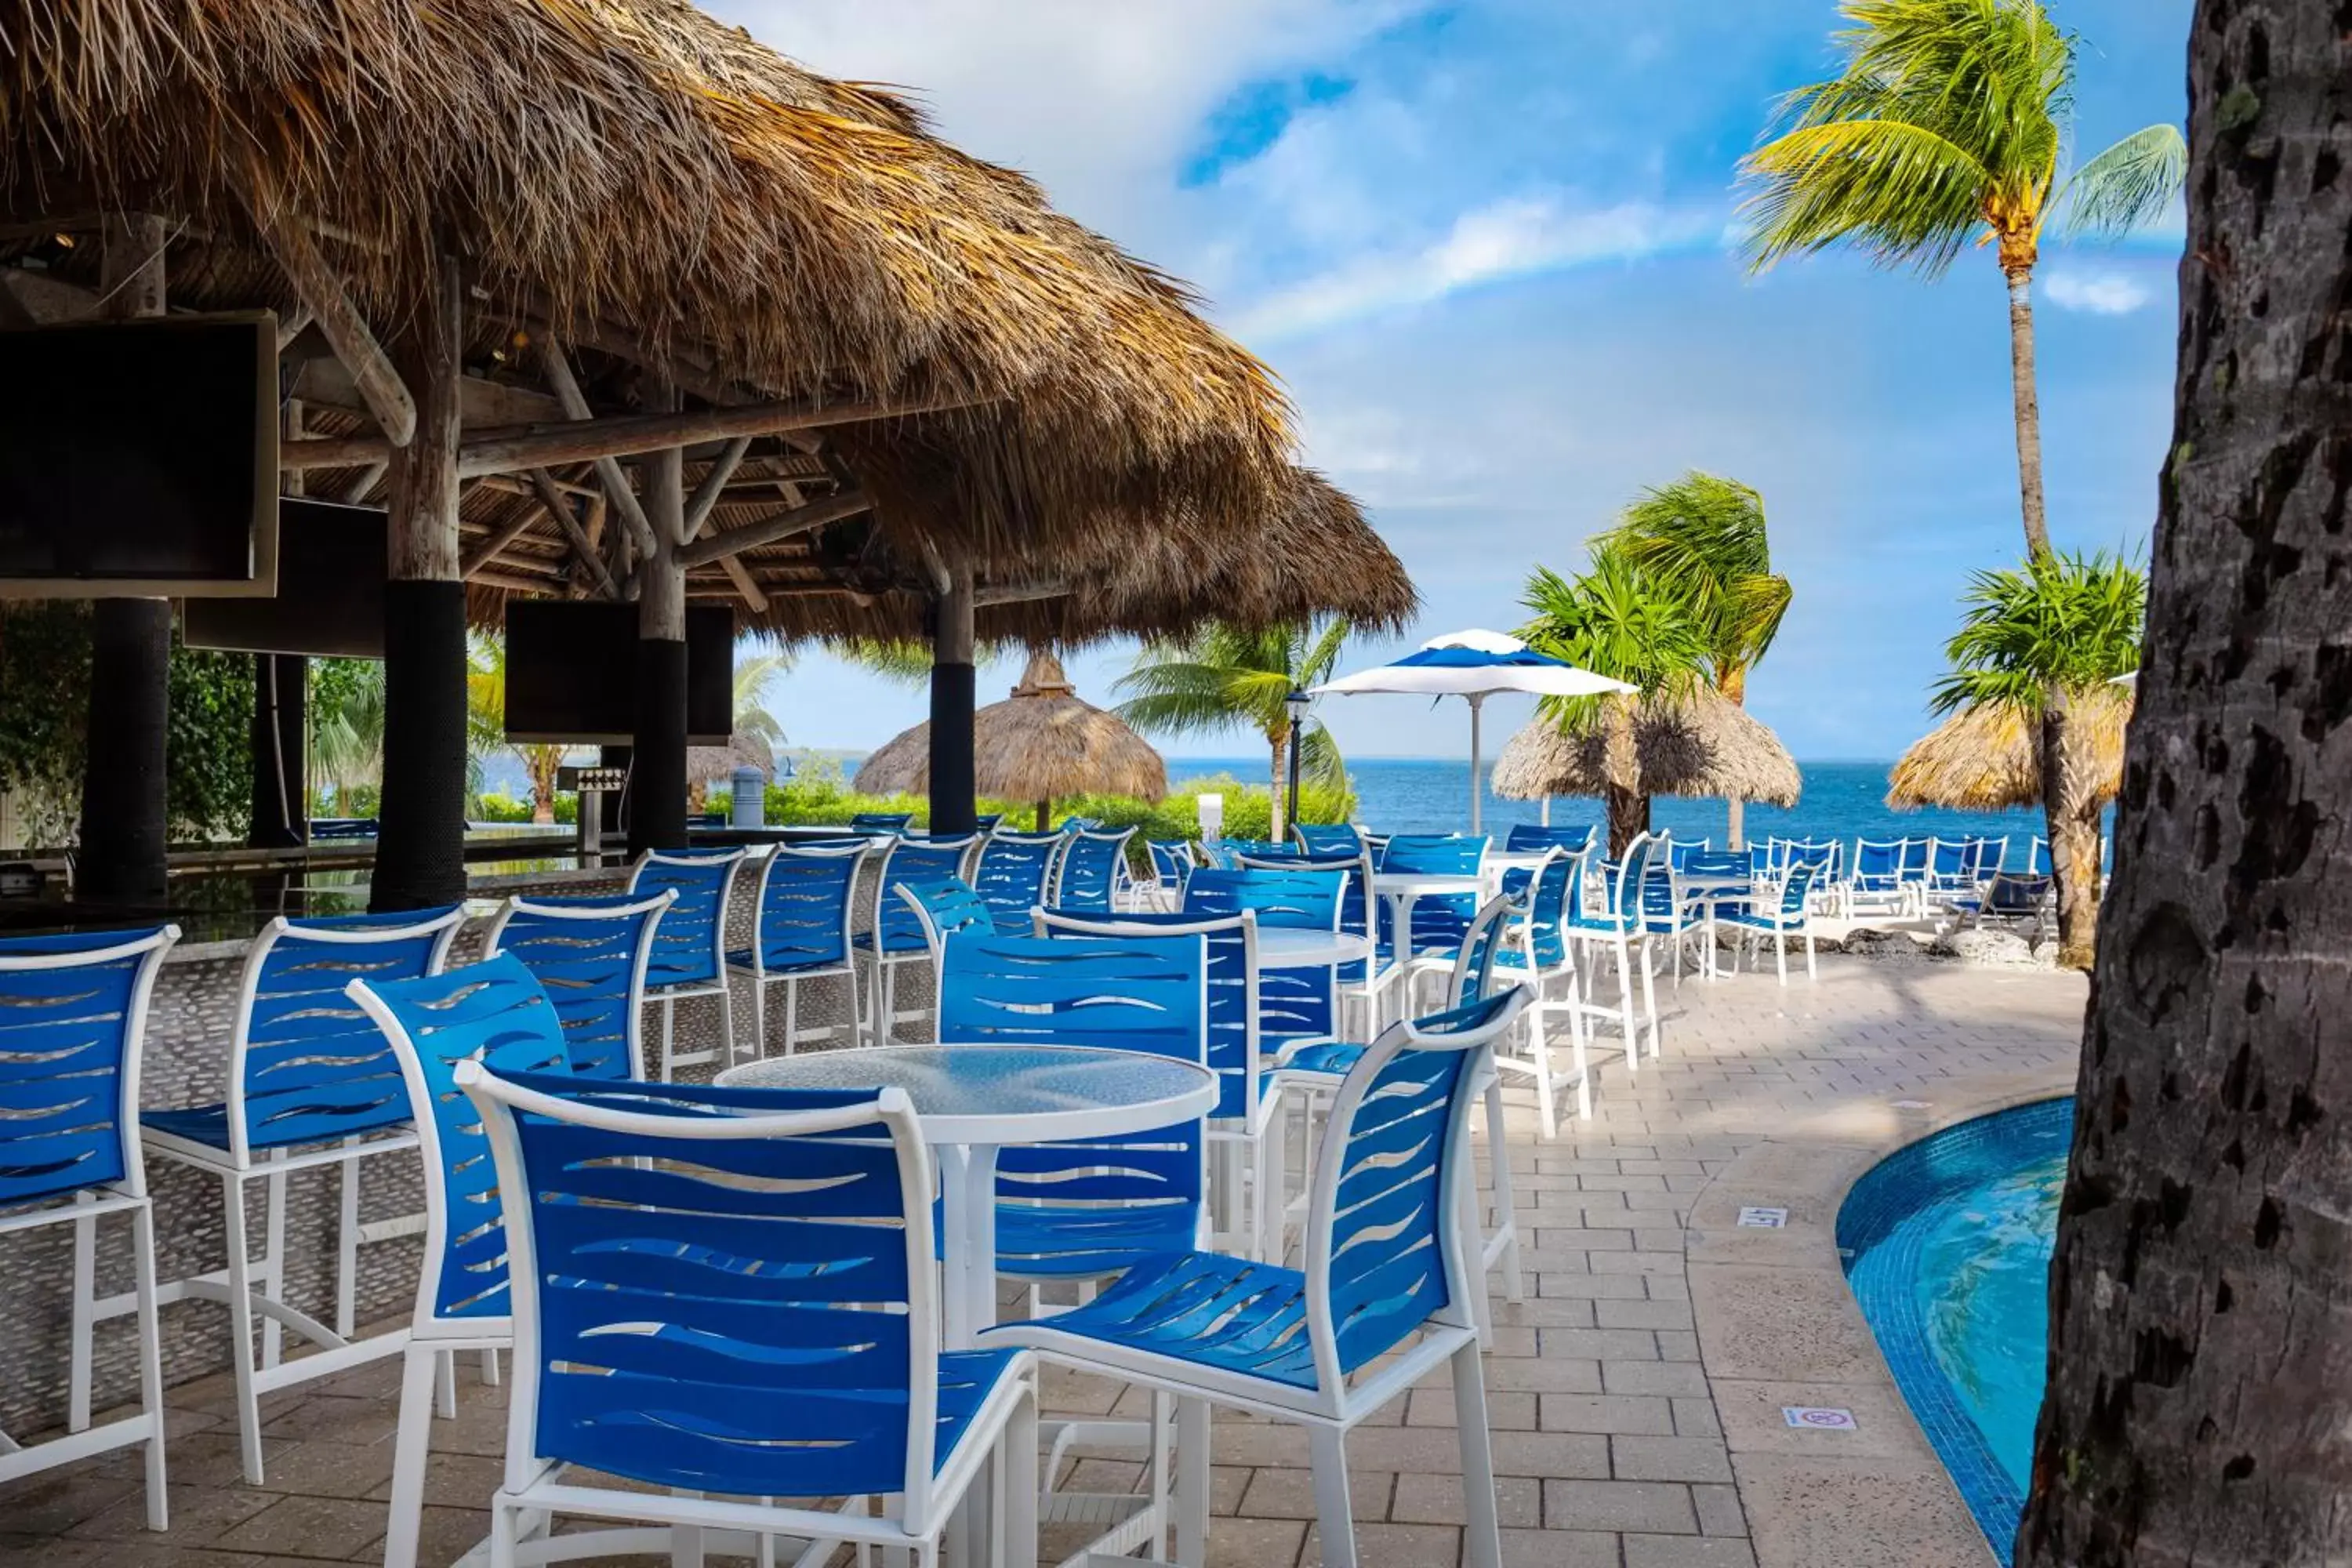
(1475, 699)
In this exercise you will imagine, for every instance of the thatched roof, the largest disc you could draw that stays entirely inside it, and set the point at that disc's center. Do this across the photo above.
(1701, 744)
(1041, 743)
(706, 763)
(1988, 758)
(667, 198)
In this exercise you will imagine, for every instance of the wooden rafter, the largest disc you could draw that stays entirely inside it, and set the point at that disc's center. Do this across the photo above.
(566, 387)
(559, 507)
(346, 330)
(768, 529)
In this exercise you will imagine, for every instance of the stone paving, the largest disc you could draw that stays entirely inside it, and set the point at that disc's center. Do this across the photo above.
(1608, 1405)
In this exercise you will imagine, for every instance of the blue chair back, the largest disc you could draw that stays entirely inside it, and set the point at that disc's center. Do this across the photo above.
(332, 828)
(1381, 1249)
(689, 945)
(590, 955)
(1078, 825)
(1128, 993)
(2037, 857)
(1553, 891)
(1233, 979)
(1948, 861)
(880, 821)
(73, 1013)
(495, 1012)
(897, 929)
(807, 901)
(1825, 856)
(1328, 838)
(1526, 837)
(1917, 857)
(1473, 962)
(1984, 858)
(1014, 873)
(1293, 1004)
(944, 908)
(1877, 864)
(1171, 861)
(1794, 891)
(1680, 850)
(988, 821)
(723, 1290)
(1092, 863)
(305, 1063)
(1434, 855)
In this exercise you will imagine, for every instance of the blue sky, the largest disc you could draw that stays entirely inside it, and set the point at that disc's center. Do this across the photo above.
(1484, 244)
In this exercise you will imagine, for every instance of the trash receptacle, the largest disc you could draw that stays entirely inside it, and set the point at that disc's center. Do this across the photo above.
(748, 807)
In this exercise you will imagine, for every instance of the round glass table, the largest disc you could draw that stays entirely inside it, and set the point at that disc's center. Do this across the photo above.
(1284, 947)
(975, 1100)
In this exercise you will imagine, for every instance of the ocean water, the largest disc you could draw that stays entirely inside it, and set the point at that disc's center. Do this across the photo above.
(1843, 800)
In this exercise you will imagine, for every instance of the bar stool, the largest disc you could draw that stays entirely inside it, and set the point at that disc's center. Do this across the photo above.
(689, 956)
(310, 1083)
(73, 1014)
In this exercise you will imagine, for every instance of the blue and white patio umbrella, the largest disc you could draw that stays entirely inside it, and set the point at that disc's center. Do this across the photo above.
(1475, 665)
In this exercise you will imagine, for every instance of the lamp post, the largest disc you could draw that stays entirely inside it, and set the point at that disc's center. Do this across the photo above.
(1297, 702)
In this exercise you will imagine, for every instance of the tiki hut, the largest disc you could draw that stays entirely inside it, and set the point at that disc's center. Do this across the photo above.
(1042, 742)
(606, 300)
(1698, 743)
(1989, 758)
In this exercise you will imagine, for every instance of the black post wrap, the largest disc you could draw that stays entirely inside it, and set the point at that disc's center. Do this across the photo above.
(955, 806)
(420, 856)
(657, 767)
(122, 786)
(280, 819)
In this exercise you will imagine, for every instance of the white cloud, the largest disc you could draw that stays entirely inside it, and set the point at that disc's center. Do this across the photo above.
(2098, 293)
(1515, 237)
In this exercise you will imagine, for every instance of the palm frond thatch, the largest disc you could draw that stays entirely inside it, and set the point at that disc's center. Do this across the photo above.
(1988, 757)
(1040, 743)
(716, 764)
(1696, 742)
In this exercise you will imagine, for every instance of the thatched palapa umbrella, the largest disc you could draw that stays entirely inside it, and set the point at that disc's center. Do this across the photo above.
(1986, 758)
(1698, 743)
(1040, 743)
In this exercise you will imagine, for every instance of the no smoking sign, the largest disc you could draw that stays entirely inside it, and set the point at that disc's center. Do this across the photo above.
(1818, 1418)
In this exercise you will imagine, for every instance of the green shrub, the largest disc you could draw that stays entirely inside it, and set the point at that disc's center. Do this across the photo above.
(501, 808)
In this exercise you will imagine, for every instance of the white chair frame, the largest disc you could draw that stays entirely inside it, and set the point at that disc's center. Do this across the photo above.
(127, 1197)
(1334, 1408)
(238, 1165)
(1536, 1064)
(883, 1015)
(1636, 959)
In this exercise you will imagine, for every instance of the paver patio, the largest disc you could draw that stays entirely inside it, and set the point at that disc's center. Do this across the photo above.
(1611, 1394)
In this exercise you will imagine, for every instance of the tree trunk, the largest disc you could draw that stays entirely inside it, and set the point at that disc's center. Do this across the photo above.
(2201, 1341)
(2069, 810)
(2027, 401)
(1629, 817)
(1734, 824)
(1277, 823)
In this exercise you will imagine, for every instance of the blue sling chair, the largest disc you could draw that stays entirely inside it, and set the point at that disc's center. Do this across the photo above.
(590, 954)
(1383, 1297)
(690, 958)
(310, 1084)
(73, 1018)
(893, 939)
(802, 913)
(726, 1298)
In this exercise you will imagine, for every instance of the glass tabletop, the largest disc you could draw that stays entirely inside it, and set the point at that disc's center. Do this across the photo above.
(1004, 1094)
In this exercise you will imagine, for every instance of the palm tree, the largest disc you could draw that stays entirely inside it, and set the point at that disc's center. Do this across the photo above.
(753, 675)
(1616, 620)
(1223, 677)
(1703, 538)
(2041, 639)
(346, 712)
(1946, 128)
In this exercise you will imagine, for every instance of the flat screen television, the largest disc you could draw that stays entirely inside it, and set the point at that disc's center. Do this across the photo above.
(330, 599)
(140, 458)
(572, 673)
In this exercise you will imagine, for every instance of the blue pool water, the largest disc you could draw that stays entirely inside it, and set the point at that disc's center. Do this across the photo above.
(1947, 1247)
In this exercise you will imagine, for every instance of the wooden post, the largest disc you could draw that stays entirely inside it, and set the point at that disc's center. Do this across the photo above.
(420, 853)
(658, 776)
(123, 755)
(954, 805)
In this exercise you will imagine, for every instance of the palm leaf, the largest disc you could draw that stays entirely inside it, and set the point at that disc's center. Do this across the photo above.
(2128, 187)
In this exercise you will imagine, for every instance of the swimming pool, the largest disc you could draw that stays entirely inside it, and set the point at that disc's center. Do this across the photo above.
(1946, 1244)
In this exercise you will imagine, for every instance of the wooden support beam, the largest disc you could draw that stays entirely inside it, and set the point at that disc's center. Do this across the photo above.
(290, 325)
(559, 507)
(515, 582)
(355, 342)
(482, 554)
(768, 529)
(1019, 593)
(566, 387)
(755, 598)
(359, 488)
(714, 484)
(333, 452)
(624, 435)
